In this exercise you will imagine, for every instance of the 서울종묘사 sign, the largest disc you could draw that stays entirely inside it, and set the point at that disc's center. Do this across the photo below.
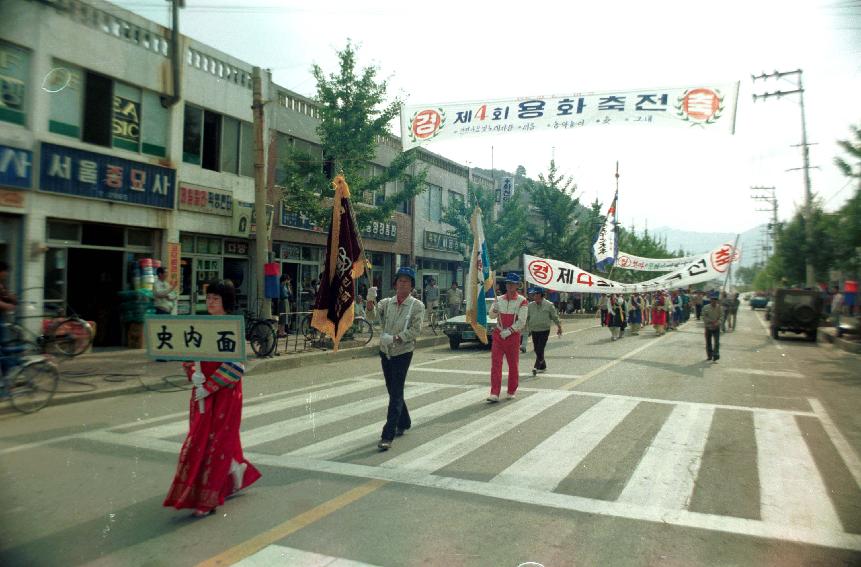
(190, 337)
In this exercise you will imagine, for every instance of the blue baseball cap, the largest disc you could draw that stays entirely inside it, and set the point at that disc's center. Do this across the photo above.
(511, 277)
(405, 271)
(533, 290)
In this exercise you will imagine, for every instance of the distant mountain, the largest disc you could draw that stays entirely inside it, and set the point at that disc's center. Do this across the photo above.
(750, 241)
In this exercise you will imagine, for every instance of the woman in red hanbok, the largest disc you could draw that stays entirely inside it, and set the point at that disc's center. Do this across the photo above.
(211, 464)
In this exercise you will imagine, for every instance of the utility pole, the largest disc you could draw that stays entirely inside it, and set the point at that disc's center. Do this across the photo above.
(771, 233)
(805, 153)
(261, 236)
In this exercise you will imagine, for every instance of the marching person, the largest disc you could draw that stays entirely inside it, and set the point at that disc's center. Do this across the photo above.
(211, 464)
(511, 311)
(659, 313)
(540, 313)
(401, 320)
(712, 318)
(733, 311)
(616, 316)
(603, 306)
(635, 314)
(698, 303)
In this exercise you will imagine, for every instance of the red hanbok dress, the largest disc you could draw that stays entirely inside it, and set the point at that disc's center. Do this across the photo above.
(203, 477)
(659, 314)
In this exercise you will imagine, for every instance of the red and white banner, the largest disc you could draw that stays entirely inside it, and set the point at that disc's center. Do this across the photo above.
(704, 107)
(561, 276)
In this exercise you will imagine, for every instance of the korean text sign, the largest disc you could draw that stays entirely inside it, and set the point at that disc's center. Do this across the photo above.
(191, 337)
(88, 174)
(704, 107)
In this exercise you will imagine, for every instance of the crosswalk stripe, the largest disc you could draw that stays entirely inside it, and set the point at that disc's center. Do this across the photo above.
(755, 372)
(362, 436)
(282, 429)
(282, 555)
(544, 467)
(667, 472)
(455, 444)
(484, 372)
(791, 489)
(181, 426)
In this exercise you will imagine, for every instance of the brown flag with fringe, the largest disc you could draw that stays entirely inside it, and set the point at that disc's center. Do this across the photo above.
(345, 262)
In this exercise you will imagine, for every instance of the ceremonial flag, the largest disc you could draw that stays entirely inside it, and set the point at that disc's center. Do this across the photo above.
(479, 280)
(345, 262)
(606, 246)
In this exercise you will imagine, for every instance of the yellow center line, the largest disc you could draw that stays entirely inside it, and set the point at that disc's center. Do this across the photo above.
(241, 551)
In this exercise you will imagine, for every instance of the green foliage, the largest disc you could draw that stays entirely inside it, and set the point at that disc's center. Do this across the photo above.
(553, 228)
(505, 235)
(852, 167)
(352, 120)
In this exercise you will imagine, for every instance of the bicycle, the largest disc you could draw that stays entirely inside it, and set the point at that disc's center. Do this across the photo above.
(29, 382)
(69, 336)
(262, 334)
(437, 318)
(360, 332)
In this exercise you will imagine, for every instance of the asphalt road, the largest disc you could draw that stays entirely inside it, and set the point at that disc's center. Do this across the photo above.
(636, 452)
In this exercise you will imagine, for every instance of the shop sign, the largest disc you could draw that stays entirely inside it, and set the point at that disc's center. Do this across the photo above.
(88, 174)
(16, 167)
(14, 63)
(298, 220)
(270, 218)
(127, 123)
(444, 242)
(381, 231)
(205, 200)
(190, 337)
(174, 253)
(242, 218)
(11, 199)
(236, 247)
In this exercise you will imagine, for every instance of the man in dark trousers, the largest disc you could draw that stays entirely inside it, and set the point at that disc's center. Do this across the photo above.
(712, 318)
(401, 320)
(541, 314)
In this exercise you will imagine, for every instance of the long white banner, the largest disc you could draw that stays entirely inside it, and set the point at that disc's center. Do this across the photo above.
(561, 276)
(707, 107)
(640, 264)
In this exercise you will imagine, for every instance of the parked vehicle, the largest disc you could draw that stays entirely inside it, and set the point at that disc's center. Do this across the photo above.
(796, 310)
(458, 330)
(758, 301)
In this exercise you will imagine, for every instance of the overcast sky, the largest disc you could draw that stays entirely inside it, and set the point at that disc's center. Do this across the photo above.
(459, 51)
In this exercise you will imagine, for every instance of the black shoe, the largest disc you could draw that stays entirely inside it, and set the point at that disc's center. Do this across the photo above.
(384, 445)
(715, 359)
(708, 359)
(399, 432)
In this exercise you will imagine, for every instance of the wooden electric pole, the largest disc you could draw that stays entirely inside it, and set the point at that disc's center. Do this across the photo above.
(261, 232)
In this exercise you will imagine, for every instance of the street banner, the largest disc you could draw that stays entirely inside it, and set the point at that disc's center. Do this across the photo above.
(345, 262)
(480, 279)
(174, 255)
(704, 107)
(565, 277)
(640, 264)
(606, 246)
(195, 337)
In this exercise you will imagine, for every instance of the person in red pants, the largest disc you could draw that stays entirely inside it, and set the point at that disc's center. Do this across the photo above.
(510, 311)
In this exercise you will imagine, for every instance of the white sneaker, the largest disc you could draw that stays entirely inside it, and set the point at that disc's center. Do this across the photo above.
(510, 396)
(542, 370)
(493, 399)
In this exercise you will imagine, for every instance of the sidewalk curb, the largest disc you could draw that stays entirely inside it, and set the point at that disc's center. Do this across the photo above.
(831, 336)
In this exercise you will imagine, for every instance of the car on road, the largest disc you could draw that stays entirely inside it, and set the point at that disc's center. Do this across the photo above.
(796, 310)
(758, 301)
(459, 331)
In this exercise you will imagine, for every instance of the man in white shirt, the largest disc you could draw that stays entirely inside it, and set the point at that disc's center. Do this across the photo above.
(164, 293)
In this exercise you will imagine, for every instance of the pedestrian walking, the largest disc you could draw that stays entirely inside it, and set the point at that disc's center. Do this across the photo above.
(511, 311)
(726, 307)
(211, 463)
(454, 299)
(164, 294)
(733, 311)
(635, 313)
(615, 316)
(659, 313)
(540, 315)
(431, 297)
(401, 319)
(370, 303)
(712, 319)
(603, 307)
(698, 303)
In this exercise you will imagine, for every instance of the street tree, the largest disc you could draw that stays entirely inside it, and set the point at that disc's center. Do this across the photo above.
(353, 116)
(505, 232)
(553, 216)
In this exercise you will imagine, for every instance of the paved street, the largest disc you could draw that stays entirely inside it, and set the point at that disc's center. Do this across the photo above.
(636, 452)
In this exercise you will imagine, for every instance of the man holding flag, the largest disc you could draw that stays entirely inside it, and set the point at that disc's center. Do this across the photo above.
(511, 311)
(345, 262)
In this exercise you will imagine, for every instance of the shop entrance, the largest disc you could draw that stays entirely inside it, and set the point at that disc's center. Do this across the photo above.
(95, 277)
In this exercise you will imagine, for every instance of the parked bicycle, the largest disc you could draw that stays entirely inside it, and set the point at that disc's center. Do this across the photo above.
(66, 335)
(261, 333)
(360, 333)
(28, 382)
(437, 317)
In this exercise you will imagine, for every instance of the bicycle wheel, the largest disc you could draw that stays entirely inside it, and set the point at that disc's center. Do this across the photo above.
(262, 337)
(311, 334)
(33, 386)
(360, 333)
(71, 336)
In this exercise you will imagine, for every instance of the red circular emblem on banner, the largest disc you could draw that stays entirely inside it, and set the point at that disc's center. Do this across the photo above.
(623, 261)
(701, 104)
(541, 272)
(426, 124)
(721, 259)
